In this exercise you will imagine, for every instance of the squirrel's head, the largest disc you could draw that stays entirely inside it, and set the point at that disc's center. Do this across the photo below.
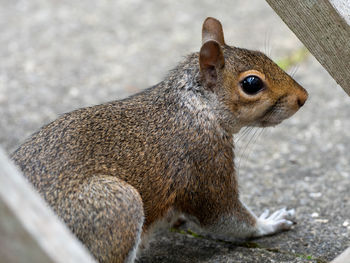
(249, 84)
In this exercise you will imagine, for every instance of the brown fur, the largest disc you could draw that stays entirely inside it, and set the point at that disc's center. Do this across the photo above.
(171, 145)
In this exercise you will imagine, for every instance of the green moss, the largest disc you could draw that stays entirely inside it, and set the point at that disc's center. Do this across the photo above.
(293, 59)
(186, 232)
(310, 258)
(190, 232)
(251, 245)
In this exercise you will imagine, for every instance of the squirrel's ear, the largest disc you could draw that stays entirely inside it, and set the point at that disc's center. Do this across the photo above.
(212, 29)
(211, 59)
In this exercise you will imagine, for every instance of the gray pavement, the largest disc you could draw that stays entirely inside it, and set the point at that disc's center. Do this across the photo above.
(56, 56)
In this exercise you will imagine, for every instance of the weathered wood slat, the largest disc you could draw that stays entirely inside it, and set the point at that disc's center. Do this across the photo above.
(343, 257)
(29, 230)
(324, 28)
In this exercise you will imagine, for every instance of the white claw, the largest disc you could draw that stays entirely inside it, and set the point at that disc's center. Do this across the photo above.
(277, 214)
(285, 224)
(278, 221)
(265, 214)
(291, 213)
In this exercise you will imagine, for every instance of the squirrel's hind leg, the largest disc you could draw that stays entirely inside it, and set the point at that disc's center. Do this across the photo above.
(106, 214)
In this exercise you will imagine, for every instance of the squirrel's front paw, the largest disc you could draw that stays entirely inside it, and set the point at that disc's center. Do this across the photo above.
(270, 224)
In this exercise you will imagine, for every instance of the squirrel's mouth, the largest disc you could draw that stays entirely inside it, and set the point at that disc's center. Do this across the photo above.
(271, 117)
(267, 122)
(270, 123)
(275, 114)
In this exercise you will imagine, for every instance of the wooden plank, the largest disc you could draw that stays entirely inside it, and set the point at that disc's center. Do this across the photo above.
(343, 257)
(324, 28)
(29, 230)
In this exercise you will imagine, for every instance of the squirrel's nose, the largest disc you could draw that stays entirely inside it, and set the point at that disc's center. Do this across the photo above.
(302, 97)
(301, 102)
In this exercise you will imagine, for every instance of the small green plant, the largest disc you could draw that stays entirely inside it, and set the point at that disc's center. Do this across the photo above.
(293, 59)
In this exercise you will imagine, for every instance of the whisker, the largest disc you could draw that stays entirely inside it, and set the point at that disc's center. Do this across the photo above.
(242, 134)
(265, 43)
(244, 153)
(242, 139)
(295, 69)
(255, 138)
(240, 150)
(270, 48)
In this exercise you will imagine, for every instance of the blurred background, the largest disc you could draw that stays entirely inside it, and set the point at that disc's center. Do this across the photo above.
(60, 55)
(56, 56)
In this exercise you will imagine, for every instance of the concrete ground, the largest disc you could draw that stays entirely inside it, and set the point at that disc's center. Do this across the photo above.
(56, 56)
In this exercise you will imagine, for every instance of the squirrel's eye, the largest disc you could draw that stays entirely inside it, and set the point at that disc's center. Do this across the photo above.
(252, 85)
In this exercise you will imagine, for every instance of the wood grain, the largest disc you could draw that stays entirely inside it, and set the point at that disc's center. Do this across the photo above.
(323, 26)
(29, 230)
(343, 257)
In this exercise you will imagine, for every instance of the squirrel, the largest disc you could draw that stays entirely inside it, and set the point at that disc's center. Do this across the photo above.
(112, 172)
